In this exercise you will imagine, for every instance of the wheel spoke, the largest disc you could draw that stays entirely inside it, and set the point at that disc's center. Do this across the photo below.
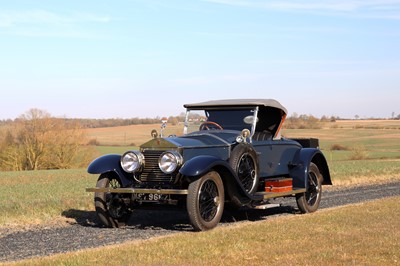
(312, 198)
(246, 172)
(313, 190)
(208, 204)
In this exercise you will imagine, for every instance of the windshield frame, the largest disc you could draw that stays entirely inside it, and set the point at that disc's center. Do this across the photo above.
(253, 109)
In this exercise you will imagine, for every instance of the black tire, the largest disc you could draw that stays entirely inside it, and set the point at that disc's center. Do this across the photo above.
(244, 162)
(110, 207)
(205, 201)
(309, 201)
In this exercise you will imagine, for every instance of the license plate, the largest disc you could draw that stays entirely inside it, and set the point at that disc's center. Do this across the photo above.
(152, 197)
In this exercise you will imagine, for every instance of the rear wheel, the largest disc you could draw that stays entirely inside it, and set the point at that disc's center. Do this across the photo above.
(110, 207)
(205, 201)
(309, 201)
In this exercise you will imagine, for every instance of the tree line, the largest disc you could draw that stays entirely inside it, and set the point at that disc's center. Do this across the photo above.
(110, 122)
(294, 121)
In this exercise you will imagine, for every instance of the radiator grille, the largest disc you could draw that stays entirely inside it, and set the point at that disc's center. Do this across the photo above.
(151, 171)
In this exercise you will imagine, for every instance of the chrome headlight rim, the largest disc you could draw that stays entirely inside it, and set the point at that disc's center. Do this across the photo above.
(170, 161)
(132, 161)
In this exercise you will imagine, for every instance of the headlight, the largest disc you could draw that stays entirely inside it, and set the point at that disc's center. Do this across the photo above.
(169, 161)
(132, 161)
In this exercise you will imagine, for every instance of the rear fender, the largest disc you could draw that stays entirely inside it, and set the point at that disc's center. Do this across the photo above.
(299, 167)
(110, 163)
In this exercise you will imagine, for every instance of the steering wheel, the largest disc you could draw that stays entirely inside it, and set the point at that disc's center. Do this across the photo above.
(210, 125)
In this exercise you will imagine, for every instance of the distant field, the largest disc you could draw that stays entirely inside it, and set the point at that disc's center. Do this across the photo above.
(379, 143)
(380, 138)
(380, 124)
(134, 135)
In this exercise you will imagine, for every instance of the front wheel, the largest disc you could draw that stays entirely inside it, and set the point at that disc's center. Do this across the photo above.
(110, 207)
(309, 201)
(205, 201)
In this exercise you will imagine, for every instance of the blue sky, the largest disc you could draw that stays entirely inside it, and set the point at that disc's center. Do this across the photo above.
(146, 58)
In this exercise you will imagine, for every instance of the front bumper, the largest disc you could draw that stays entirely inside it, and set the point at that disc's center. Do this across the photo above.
(139, 190)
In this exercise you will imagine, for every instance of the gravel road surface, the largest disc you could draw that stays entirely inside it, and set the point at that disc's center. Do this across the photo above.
(145, 224)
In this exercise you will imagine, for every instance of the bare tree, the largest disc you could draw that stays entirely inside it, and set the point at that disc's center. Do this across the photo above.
(39, 141)
(65, 144)
(10, 156)
(32, 136)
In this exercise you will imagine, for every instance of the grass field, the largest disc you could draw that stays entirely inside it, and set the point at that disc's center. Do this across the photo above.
(35, 197)
(42, 196)
(378, 137)
(134, 135)
(362, 234)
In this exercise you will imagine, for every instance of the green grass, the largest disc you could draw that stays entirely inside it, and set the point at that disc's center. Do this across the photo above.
(114, 149)
(363, 234)
(364, 171)
(382, 143)
(41, 196)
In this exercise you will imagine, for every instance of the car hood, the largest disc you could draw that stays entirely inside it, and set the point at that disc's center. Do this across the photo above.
(197, 139)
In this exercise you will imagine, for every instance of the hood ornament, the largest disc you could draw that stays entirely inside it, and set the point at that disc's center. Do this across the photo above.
(154, 134)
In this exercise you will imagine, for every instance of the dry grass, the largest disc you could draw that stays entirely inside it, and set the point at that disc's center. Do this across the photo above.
(358, 152)
(355, 180)
(362, 234)
(134, 135)
(393, 124)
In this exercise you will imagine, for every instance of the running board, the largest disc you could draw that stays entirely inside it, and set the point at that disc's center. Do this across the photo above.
(138, 190)
(271, 195)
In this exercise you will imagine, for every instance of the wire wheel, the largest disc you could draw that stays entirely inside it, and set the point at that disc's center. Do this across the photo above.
(309, 200)
(110, 207)
(247, 171)
(244, 162)
(205, 201)
(208, 200)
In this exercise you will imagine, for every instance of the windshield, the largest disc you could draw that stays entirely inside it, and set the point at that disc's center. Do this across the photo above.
(217, 119)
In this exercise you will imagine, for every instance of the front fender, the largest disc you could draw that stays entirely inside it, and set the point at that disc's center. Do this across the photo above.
(200, 165)
(110, 163)
(299, 167)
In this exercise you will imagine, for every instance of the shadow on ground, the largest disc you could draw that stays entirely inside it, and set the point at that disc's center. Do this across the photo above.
(175, 219)
(84, 218)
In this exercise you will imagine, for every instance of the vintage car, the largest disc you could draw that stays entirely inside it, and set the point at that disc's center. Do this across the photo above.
(230, 152)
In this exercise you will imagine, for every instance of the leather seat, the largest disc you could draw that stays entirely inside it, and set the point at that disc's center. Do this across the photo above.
(260, 136)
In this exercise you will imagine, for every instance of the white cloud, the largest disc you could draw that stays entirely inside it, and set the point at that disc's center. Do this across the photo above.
(38, 17)
(380, 9)
(42, 23)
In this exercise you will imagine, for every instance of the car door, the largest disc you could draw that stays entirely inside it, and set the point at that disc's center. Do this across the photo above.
(274, 156)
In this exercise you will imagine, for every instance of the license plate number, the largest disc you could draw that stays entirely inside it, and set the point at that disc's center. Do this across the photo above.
(152, 197)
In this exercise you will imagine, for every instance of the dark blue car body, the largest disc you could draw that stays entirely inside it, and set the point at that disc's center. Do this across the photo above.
(233, 154)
